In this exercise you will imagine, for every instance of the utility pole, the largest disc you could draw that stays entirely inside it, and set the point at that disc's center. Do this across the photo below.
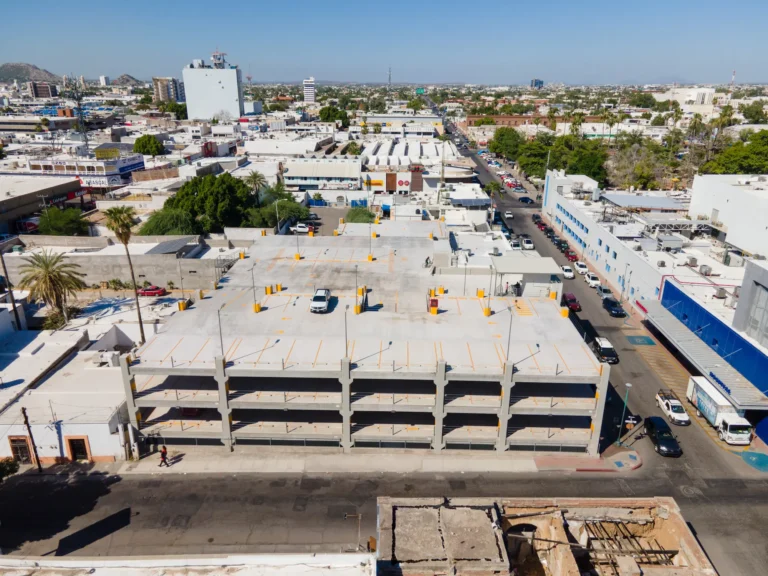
(31, 439)
(10, 292)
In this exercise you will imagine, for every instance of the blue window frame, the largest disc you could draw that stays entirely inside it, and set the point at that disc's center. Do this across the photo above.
(599, 241)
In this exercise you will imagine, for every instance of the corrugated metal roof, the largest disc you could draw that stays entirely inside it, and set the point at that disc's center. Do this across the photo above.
(739, 390)
(170, 246)
(649, 202)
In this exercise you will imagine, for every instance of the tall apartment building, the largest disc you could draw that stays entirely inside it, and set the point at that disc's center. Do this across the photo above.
(42, 90)
(213, 91)
(103, 80)
(81, 81)
(537, 84)
(309, 90)
(168, 89)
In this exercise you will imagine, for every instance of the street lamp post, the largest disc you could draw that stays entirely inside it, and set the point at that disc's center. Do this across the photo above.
(221, 334)
(355, 286)
(181, 279)
(346, 340)
(490, 285)
(623, 413)
(509, 335)
(370, 238)
(465, 278)
(253, 282)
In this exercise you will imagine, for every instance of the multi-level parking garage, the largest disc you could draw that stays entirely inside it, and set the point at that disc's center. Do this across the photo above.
(395, 375)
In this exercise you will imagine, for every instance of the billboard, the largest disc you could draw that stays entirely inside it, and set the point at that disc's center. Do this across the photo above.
(420, 91)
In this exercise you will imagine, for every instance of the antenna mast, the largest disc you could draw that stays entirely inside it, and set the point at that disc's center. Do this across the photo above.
(389, 81)
(733, 80)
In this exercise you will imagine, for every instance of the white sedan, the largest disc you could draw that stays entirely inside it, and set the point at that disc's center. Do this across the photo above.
(527, 244)
(592, 280)
(509, 215)
(568, 272)
(581, 268)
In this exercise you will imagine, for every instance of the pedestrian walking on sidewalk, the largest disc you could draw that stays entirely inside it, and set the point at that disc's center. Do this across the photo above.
(164, 457)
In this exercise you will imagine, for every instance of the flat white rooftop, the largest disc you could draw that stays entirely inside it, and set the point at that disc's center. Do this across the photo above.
(12, 186)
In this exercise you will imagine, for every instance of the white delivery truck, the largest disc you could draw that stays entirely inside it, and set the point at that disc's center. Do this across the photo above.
(730, 423)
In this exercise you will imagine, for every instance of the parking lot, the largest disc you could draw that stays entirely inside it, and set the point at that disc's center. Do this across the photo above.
(328, 219)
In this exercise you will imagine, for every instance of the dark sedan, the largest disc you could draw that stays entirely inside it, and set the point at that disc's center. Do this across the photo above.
(658, 431)
(526, 200)
(613, 307)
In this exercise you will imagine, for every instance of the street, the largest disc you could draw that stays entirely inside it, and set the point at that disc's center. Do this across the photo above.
(699, 451)
(209, 514)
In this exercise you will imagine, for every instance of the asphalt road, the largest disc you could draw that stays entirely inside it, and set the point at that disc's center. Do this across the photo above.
(699, 450)
(200, 514)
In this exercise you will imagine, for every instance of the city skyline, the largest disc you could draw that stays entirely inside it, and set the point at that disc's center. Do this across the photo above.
(600, 49)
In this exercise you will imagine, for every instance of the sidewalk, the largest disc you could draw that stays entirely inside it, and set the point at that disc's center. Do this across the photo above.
(206, 461)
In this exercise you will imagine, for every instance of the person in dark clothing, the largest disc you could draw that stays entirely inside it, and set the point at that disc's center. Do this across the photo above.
(164, 457)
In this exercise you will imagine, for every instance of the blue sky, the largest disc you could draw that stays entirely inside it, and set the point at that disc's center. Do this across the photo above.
(490, 42)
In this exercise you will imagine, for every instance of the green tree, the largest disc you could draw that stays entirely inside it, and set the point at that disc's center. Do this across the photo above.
(754, 113)
(353, 149)
(215, 201)
(45, 122)
(377, 128)
(416, 104)
(532, 158)
(659, 120)
(148, 145)
(120, 221)
(493, 188)
(552, 117)
(51, 279)
(364, 129)
(332, 114)
(2, 154)
(8, 467)
(68, 222)
(641, 100)
(506, 142)
(741, 158)
(359, 215)
(170, 222)
(589, 158)
(485, 121)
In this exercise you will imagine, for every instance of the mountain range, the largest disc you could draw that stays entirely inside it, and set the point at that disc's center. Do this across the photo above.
(25, 72)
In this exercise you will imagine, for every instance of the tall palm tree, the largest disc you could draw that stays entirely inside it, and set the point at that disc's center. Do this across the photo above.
(256, 181)
(120, 221)
(552, 119)
(50, 278)
(537, 121)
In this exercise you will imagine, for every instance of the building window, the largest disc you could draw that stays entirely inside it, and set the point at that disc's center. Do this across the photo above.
(656, 292)
(614, 255)
(607, 249)
(631, 291)
(599, 241)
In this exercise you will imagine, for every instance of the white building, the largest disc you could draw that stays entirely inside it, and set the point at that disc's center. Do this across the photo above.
(103, 80)
(214, 91)
(688, 96)
(735, 206)
(167, 89)
(309, 90)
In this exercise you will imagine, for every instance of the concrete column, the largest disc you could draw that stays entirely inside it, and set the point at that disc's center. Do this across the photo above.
(507, 382)
(439, 410)
(346, 411)
(223, 381)
(129, 384)
(593, 449)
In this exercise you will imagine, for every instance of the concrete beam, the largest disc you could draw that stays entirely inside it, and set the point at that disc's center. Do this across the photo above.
(129, 385)
(254, 405)
(147, 403)
(223, 381)
(346, 411)
(240, 371)
(439, 411)
(507, 382)
(597, 420)
(138, 369)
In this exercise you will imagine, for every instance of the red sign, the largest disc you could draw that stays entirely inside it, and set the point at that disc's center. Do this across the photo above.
(399, 182)
(406, 182)
(433, 302)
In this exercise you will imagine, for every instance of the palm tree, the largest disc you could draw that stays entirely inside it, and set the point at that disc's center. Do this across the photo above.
(552, 119)
(50, 278)
(377, 128)
(120, 221)
(256, 181)
(611, 121)
(537, 121)
(576, 122)
(696, 124)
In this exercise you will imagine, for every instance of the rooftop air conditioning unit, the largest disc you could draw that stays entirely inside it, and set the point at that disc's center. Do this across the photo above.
(705, 270)
(637, 247)
(661, 264)
(720, 293)
(692, 261)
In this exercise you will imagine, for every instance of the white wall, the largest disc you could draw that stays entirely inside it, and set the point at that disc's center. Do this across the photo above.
(741, 210)
(50, 439)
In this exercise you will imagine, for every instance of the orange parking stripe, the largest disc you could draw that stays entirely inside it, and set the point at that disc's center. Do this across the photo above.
(266, 344)
(534, 358)
(561, 358)
(317, 353)
(235, 350)
(470, 356)
(148, 345)
(172, 349)
(287, 358)
(201, 349)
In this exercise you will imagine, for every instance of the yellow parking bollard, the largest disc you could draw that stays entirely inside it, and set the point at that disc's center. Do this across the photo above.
(564, 312)
(341, 220)
(370, 257)
(268, 290)
(486, 311)
(335, 232)
(297, 256)
(242, 255)
(182, 306)
(263, 232)
(430, 236)
(358, 308)
(480, 293)
(373, 235)
(433, 310)
(431, 292)
(279, 288)
(441, 290)
(256, 307)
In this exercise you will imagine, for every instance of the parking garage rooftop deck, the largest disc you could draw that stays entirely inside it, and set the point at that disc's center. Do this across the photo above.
(396, 337)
